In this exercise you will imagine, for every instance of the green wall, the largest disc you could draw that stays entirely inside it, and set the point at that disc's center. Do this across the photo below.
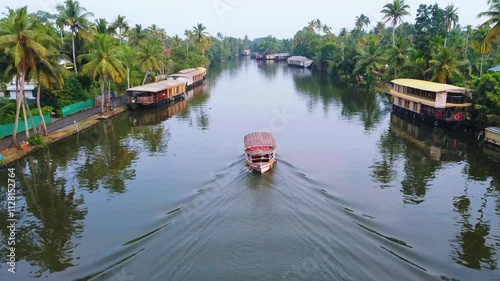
(8, 129)
(77, 107)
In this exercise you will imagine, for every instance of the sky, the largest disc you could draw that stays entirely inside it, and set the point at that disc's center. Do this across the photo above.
(255, 18)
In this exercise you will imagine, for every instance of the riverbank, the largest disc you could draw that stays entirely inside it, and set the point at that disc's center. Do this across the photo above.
(12, 154)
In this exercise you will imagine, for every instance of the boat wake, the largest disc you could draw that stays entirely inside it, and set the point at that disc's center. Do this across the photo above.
(281, 225)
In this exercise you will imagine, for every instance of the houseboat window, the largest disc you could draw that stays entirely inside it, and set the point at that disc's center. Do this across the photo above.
(400, 102)
(407, 104)
(415, 106)
(7, 94)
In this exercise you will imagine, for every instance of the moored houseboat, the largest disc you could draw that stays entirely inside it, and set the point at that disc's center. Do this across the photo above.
(155, 93)
(191, 76)
(492, 135)
(300, 61)
(282, 56)
(260, 57)
(245, 53)
(430, 101)
(260, 151)
(270, 57)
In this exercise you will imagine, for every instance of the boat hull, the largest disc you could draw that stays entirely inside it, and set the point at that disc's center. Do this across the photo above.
(404, 112)
(492, 135)
(261, 167)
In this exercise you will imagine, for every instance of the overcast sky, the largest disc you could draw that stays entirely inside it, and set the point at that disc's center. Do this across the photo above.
(255, 18)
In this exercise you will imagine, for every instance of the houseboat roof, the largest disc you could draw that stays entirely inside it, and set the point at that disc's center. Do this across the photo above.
(430, 86)
(299, 58)
(157, 86)
(495, 130)
(191, 73)
(260, 138)
(283, 54)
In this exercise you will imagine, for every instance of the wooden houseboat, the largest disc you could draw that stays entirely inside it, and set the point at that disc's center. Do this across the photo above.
(191, 76)
(260, 151)
(282, 56)
(430, 101)
(260, 57)
(270, 57)
(156, 93)
(300, 61)
(492, 135)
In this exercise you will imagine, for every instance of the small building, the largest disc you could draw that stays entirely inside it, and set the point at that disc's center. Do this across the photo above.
(10, 93)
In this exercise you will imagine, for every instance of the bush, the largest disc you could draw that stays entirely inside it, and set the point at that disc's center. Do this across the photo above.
(487, 98)
(37, 140)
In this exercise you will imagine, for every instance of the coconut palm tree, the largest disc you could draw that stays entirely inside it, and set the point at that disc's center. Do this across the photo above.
(104, 61)
(444, 65)
(379, 28)
(121, 24)
(189, 38)
(493, 15)
(398, 54)
(370, 59)
(149, 56)
(481, 44)
(76, 18)
(450, 18)
(362, 21)
(394, 12)
(199, 32)
(24, 41)
(48, 73)
(136, 35)
(101, 26)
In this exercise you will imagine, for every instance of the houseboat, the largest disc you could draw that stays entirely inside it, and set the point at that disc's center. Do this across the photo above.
(270, 57)
(492, 135)
(245, 53)
(260, 57)
(300, 61)
(191, 76)
(430, 101)
(156, 93)
(282, 56)
(260, 151)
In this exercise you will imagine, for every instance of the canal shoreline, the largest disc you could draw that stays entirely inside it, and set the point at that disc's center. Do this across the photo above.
(13, 154)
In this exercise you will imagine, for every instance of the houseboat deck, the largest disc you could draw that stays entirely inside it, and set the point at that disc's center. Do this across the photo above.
(156, 93)
(260, 151)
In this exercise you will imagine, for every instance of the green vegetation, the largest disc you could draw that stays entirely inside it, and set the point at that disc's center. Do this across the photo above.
(37, 140)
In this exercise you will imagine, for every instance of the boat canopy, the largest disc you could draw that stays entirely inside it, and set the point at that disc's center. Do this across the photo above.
(298, 58)
(495, 130)
(157, 86)
(283, 55)
(260, 139)
(431, 86)
(191, 73)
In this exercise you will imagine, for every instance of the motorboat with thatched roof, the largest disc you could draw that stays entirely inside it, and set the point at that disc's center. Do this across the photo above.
(260, 151)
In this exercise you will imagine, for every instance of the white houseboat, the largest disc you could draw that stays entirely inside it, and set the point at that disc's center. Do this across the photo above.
(300, 61)
(191, 76)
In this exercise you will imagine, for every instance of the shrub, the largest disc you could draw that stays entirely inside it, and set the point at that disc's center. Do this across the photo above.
(37, 140)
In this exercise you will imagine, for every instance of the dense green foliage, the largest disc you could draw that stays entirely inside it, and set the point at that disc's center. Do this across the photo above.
(487, 97)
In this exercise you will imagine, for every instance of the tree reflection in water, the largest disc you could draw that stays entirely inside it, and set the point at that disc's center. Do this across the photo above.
(50, 216)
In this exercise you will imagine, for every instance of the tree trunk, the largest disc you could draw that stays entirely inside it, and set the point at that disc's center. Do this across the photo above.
(481, 66)
(445, 40)
(74, 52)
(26, 126)
(128, 77)
(109, 95)
(18, 110)
(394, 35)
(120, 34)
(44, 125)
(144, 80)
(103, 83)
(30, 115)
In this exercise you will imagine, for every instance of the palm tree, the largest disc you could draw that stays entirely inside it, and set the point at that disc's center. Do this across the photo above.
(199, 32)
(136, 35)
(450, 18)
(493, 15)
(48, 73)
(362, 21)
(481, 44)
(370, 59)
(76, 18)
(101, 26)
(444, 65)
(394, 12)
(189, 37)
(398, 54)
(149, 56)
(24, 41)
(104, 61)
(379, 28)
(121, 24)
